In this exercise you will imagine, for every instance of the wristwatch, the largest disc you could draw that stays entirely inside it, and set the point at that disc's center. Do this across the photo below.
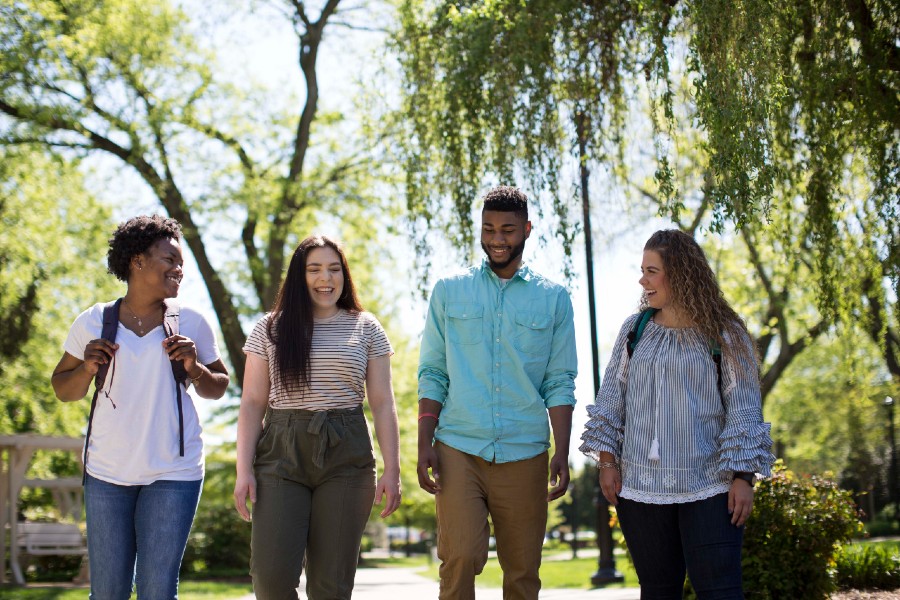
(748, 477)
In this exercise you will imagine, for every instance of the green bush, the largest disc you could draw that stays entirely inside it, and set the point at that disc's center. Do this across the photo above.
(868, 567)
(884, 523)
(219, 543)
(796, 529)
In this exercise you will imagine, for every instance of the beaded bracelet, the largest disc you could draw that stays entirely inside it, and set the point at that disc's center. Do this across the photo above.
(608, 465)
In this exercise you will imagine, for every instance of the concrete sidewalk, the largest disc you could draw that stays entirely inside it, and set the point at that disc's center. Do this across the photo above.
(405, 584)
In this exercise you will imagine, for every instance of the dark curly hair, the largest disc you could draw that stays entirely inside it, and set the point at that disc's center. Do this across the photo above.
(505, 198)
(696, 291)
(135, 236)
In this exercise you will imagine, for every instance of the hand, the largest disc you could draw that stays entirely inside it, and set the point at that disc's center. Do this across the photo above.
(428, 459)
(610, 484)
(740, 501)
(389, 488)
(244, 488)
(559, 476)
(179, 347)
(96, 353)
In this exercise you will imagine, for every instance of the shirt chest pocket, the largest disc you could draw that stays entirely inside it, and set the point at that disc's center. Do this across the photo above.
(465, 323)
(534, 332)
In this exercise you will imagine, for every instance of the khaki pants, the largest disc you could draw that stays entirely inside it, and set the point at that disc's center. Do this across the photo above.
(515, 495)
(315, 477)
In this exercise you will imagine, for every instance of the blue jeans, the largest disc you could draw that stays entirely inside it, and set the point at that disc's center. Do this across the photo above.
(137, 533)
(666, 539)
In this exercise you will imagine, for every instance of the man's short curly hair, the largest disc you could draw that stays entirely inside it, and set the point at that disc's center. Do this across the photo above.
(135, 236)
(505, 198)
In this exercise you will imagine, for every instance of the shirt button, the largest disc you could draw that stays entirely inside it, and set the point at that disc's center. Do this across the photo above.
(498, 340)
(498, 414)
(496, 389)
(534, 324)
(465, 315)
(496, 364)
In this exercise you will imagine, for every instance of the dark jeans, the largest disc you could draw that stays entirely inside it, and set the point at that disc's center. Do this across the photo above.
(664, 539)
(315, 477)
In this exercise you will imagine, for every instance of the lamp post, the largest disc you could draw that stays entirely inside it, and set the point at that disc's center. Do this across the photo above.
(606, 564)
(574, 497)
(892, 472)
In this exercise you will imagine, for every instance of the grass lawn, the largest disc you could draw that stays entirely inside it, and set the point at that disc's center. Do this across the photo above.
(188, 590)
(892, 544)
(558, 570)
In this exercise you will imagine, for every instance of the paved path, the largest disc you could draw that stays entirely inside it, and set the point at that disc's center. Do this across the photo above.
(405, 584)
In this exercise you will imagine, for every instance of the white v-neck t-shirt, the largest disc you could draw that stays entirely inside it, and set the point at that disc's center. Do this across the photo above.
(134, 436)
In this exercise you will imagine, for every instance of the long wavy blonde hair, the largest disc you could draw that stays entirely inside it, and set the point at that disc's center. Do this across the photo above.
(696, 291)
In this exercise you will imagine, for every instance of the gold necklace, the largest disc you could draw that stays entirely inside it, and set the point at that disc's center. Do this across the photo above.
(140, 321)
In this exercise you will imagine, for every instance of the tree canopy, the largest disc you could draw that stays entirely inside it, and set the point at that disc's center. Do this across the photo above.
(784, 93)
(132, 82)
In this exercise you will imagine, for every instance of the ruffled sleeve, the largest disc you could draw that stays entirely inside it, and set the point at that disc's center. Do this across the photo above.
(745, 443)
(605, 429)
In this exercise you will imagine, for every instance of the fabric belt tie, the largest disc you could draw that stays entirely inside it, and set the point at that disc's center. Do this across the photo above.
(331, 438)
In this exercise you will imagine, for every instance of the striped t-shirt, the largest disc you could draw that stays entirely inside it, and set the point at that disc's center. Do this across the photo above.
(341, 348)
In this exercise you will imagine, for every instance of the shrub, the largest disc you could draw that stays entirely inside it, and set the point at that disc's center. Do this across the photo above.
(793, 535)
(220, 541)
(868, 567)
(884, 523)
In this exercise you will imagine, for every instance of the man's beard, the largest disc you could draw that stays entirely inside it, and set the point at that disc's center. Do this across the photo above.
(515, 253)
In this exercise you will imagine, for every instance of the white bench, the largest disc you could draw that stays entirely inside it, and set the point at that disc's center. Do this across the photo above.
(49, 539)
(44, 539)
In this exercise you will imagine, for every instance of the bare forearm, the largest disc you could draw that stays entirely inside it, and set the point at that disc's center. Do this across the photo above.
(73, 384)
(209, 383)
(429, 412)
(250, 417)
(388, 433)
(561, 424)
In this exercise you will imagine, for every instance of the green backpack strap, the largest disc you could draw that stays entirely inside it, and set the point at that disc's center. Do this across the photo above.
(637, 330)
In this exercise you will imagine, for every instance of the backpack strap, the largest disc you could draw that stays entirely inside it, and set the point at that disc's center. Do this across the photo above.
(637, 330)
(170, 326)
(108, 332)
(716, 353)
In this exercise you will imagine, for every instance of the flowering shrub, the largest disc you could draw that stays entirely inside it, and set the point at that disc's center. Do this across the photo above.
(794, 534)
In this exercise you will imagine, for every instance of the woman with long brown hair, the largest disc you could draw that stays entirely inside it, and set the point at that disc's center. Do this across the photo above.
(304, 454)
(677, 427)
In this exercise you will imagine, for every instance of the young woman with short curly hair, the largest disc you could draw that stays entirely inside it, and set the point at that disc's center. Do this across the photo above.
(143, 455)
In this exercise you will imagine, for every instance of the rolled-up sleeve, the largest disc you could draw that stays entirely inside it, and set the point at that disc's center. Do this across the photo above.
(745, 443)
(433, 379)
(558, 385)
(605, 429)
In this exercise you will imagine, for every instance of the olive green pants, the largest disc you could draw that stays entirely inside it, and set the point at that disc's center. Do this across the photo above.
(315, 477)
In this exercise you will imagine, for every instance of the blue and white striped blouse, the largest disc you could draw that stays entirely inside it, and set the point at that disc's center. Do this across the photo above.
(668, 391)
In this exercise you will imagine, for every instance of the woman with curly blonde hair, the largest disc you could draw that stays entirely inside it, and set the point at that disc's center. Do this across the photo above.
(677, 427)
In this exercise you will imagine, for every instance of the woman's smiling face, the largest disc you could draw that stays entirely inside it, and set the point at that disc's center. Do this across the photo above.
(654, 280)
(324, 280)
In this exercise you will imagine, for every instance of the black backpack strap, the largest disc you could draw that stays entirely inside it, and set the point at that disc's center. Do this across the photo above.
(170, 326)
(108, 332)
(716, 353)
(637, 330)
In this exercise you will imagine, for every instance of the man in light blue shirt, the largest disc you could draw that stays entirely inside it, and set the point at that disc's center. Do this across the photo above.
(497, 356)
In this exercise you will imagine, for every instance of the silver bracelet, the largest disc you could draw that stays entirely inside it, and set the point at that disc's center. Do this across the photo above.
(608, 465)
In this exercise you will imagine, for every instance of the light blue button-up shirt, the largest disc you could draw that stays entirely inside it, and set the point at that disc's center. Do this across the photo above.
(497, 355)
